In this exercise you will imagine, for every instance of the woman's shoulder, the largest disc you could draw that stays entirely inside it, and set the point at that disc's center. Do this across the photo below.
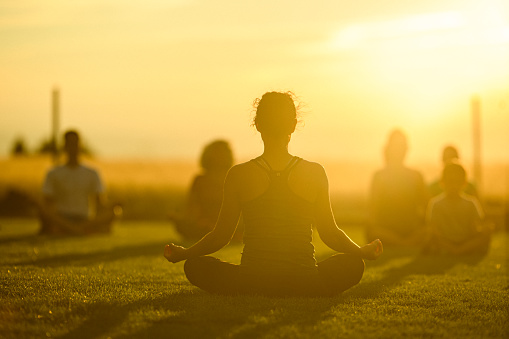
(242, 169)
(310, 172)
(242, 166)
(311, 166)
(248, 167)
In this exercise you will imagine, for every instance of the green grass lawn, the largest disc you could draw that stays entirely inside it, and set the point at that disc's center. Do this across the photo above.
(120, 286)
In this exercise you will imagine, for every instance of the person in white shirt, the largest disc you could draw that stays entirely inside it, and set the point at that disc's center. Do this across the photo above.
(67, 192)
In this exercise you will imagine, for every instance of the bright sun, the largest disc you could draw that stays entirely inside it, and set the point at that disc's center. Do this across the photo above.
(430, 57)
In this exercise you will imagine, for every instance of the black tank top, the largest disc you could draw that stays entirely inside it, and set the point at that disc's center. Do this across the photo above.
(278, 227)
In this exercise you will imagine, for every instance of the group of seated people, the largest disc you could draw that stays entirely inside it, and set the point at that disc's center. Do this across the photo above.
(278, 199)
(444, 217)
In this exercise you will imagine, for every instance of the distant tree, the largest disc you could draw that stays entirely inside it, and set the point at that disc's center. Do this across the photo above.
(19, 148)
(47, 147)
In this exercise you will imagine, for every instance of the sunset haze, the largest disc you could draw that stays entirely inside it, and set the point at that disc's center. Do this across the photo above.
(162, 78)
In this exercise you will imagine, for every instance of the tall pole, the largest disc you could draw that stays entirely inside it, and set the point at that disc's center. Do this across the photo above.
(476, 134)
(55, 114)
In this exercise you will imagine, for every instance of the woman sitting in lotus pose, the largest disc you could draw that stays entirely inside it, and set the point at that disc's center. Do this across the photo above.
(280, 197)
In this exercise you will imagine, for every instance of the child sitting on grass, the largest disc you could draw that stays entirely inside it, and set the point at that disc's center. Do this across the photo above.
(455, 218)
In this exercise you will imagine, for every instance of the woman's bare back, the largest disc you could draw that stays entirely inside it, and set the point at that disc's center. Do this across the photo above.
(305, 180)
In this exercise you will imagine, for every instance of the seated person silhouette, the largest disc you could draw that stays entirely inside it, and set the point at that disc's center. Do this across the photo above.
(450, 154)
(206, 193)
(67, 190)
(281, 198)
(398, 198)
(455, 218)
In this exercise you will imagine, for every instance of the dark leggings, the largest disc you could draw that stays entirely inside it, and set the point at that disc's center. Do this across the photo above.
(335, 275)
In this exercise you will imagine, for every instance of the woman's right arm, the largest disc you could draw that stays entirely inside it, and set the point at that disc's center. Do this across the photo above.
(327, 228)
(225, 227)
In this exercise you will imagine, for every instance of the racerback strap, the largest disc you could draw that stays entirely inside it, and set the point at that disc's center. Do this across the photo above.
(263, 164)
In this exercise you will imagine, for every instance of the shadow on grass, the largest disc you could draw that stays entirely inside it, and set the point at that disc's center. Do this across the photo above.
(418, 264)
(85, 259)
(201, 315)
(31, 239)
(244, 317)
(197, 314)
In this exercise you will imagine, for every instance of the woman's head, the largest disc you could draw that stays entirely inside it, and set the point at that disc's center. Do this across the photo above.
(276, 114)
(217, 156)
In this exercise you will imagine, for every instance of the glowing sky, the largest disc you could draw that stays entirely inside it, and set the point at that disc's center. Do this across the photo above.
(162, 78)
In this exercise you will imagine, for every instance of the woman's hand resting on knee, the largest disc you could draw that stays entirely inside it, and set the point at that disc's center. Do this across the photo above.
(372, 250)
(174, 253)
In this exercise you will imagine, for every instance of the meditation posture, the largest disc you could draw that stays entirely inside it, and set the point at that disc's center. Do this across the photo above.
(455, 218)
(67, 191)
(398, 198)
(281, 197)
(206, 192)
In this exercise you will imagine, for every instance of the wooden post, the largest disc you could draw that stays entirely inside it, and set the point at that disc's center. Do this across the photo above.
(55, 114)
(476, 134)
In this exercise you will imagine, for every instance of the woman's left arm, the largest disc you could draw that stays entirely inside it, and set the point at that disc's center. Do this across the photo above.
(225, 227)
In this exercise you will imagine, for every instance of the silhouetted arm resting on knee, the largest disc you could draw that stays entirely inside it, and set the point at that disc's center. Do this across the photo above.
(329, 232)
(222, 233)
